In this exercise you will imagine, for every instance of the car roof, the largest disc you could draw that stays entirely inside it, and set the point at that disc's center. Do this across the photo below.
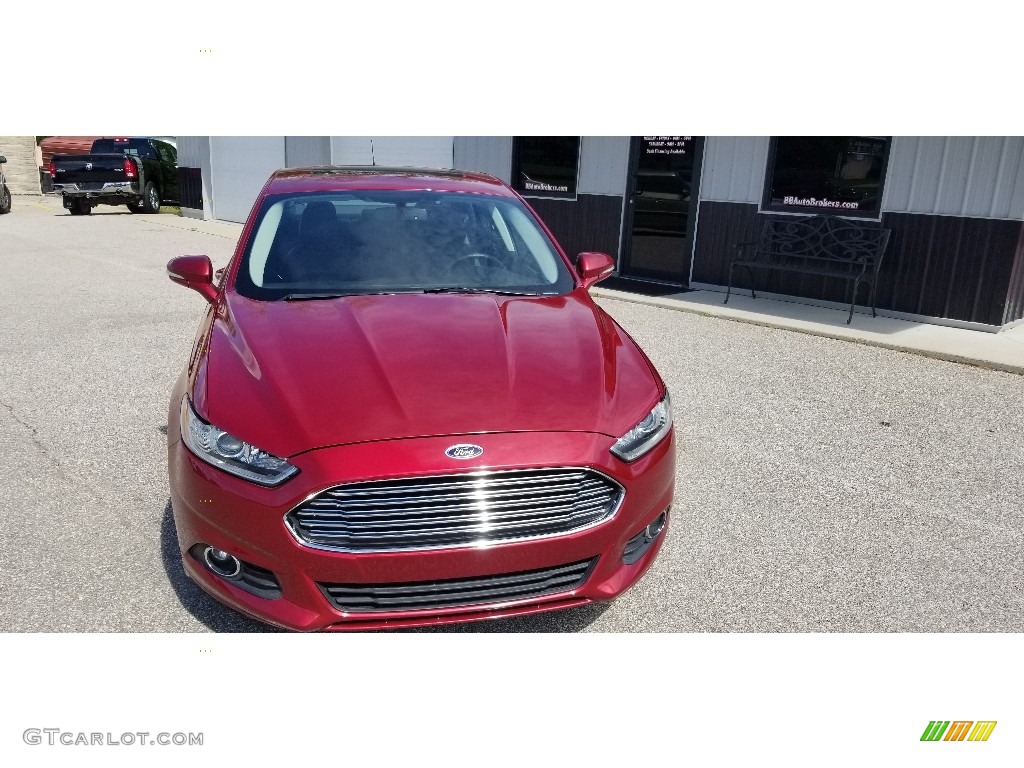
(326, 178)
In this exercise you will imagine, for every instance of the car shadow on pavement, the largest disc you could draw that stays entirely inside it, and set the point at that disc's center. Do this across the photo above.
(220, 618)
(217, 617)
(61, 212)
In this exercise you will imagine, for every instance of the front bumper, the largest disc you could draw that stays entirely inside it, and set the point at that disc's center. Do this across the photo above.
(216, 509)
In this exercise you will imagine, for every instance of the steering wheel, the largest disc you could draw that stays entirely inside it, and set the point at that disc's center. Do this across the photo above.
(478, 259)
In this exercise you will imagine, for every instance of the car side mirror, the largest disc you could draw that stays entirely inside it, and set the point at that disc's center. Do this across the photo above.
(594, 267)
(195, 272)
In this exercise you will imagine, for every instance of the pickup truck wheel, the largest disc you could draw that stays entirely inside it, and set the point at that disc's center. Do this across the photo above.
(151, 198)
(136, 207)
(5, 199)
(80, 208)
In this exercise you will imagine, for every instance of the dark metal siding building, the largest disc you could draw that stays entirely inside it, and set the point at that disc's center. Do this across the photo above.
(955, 206)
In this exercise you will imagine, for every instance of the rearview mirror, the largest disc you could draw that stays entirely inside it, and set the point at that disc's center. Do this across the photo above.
(594, 267)
(195, 272)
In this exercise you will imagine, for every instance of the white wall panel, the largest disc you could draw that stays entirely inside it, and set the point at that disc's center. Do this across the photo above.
(951, 188)
(305, 151)
(190, 150)
(898, 175)
(240, 166)
(733, 168)
(351, 150)
(1016, 195)
(486, 154)
(925, 174)
(604, 164)
(414, 151)
(979, 176)
(987, 160)
(402, 151)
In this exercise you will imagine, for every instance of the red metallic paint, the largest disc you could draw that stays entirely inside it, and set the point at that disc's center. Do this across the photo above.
(248, 521)
(294, 376)
(195, 272)
(372, 387)
(594, 267)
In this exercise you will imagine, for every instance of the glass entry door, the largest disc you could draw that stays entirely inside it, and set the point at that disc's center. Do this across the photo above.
(662, 207)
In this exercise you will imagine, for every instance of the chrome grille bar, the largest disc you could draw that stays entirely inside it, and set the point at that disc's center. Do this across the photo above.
(475, 509)
(454, 593)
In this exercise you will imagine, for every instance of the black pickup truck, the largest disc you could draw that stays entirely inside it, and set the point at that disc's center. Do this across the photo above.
(138, 172)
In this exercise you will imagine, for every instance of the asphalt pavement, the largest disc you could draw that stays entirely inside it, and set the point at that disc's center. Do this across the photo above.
(822, 485)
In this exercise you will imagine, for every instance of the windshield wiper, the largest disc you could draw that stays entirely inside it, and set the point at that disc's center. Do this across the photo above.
(444, 289)
(495, 291)
(313, 296)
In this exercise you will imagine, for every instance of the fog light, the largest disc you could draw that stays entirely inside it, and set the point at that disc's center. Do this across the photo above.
(222, 563)
(638, 546)
(655, 528)
(253, 579)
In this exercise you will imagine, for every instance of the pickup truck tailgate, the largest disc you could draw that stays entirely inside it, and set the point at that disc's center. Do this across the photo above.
(85, 170)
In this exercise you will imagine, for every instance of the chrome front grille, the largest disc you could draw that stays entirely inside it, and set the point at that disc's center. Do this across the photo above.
(457, 593)
(475, 509)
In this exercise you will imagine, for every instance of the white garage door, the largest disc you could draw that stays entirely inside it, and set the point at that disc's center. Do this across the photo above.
(240, 166)
(413, 151)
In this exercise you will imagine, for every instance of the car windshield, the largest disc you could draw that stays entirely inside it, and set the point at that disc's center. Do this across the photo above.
(348, 243)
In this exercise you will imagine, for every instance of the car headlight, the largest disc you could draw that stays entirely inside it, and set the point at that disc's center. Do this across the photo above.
(227, 452)
(647, 434)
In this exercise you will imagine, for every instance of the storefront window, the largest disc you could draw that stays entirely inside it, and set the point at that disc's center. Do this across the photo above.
(840, 175)
(546, 166)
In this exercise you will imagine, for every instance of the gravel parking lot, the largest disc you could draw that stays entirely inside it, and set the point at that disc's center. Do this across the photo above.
(822, 485)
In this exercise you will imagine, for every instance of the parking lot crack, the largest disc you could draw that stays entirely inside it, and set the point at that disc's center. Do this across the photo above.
(34, 437)
(19, 420)
(83, 484)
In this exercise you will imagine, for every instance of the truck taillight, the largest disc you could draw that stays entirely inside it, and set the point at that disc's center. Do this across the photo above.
(130, 171)
(53, 170)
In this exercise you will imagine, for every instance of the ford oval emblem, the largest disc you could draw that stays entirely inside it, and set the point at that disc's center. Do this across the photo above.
(464, 451)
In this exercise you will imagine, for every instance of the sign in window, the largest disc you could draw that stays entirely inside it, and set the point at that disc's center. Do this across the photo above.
(546, 166)
(827, 174)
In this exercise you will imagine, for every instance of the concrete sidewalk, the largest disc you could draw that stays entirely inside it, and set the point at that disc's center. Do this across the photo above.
(1003, 351)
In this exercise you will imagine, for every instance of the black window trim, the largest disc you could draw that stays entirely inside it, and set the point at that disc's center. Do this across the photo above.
(554, 196)
(765, 207)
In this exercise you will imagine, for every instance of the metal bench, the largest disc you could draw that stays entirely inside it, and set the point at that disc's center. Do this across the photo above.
(816, 245)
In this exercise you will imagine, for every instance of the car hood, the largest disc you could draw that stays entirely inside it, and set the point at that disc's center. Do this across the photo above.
(291, 376)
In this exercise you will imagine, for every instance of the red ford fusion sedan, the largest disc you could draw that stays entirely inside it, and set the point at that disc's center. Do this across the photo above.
(403, 408)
